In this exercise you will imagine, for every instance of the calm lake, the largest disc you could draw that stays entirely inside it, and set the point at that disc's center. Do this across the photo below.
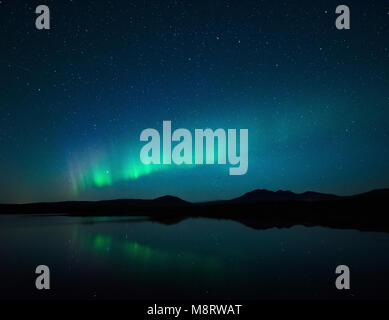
(197, 258)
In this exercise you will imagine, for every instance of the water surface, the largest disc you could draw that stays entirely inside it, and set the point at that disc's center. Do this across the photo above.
(134, 258)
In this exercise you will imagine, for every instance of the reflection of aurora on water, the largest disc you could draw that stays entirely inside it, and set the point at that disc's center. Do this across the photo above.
(104, 246)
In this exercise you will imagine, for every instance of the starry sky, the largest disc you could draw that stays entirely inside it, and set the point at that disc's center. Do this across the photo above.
(74, 99)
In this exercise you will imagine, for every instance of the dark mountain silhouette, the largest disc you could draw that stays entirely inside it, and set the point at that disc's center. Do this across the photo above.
(259, 209)
(379, 194)
(169, 200)
(252, 197)
(261, 195)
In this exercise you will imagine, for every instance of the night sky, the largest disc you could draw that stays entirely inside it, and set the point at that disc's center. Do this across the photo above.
(74, 99)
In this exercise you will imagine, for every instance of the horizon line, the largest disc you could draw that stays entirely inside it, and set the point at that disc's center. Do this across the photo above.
(199, 202)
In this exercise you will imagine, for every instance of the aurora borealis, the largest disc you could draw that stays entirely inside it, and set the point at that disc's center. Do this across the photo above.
(74, 99)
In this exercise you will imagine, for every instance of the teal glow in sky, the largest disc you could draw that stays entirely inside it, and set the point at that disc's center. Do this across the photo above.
(75, 99)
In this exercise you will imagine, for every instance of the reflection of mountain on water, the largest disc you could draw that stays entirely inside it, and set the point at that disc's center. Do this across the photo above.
(259, 209)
